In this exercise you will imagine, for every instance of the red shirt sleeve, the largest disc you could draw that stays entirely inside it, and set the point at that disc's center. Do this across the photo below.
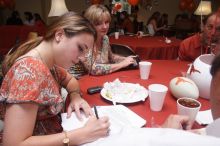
(190, 48)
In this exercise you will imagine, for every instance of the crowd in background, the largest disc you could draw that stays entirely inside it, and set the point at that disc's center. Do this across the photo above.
(155, 24)
(30, 19)
(36, 71)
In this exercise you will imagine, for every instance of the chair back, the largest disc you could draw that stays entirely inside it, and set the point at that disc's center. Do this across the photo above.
(122, 50)
(125, 51)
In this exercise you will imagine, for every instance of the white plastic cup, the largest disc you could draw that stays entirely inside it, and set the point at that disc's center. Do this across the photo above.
(116, 35)
(191, 112)
(141, 33)
(145, 67)
(157, 94)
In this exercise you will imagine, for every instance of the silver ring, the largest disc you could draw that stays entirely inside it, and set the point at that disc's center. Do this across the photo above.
(72, 107)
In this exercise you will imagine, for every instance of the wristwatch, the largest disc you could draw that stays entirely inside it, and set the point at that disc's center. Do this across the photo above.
(66, 140)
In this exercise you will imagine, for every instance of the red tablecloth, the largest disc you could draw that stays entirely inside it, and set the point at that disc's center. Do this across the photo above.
(150, 47)
(162, 72)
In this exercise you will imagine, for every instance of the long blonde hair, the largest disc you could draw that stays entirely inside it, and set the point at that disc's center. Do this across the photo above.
(95, 14)
(71, 23)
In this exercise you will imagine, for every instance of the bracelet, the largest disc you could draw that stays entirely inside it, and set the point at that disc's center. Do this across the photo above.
(66, 140)
(75, 92)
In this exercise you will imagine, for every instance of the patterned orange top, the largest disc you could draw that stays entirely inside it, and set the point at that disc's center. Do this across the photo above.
(30, 81)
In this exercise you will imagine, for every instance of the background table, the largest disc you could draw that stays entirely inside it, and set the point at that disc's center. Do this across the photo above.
(150, 47)
(162, 72)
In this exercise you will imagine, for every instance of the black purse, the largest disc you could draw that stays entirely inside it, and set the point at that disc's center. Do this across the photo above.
(133, 66)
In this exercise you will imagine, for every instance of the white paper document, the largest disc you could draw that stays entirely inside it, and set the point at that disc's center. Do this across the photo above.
(204, 117)
(126, 131)
(119, 116)
(213, 128)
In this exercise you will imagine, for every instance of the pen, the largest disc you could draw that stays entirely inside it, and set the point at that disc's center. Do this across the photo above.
(96, 112)
(184, 126)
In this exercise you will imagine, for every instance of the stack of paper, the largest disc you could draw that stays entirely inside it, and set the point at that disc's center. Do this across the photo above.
(119, 115)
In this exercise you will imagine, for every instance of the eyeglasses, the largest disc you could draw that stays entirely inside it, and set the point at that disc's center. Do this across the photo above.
(210, 27)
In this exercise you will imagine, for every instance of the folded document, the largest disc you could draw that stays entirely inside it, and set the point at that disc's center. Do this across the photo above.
(119, 116)
(204, 117)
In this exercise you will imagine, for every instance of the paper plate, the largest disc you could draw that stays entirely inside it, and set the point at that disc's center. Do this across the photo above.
(140, 94)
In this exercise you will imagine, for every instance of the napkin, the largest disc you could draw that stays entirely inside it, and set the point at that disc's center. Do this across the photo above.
(213, 128)
(204, 117)
(168, 41)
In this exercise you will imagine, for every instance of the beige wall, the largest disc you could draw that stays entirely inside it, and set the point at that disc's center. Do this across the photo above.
(34, 6)
(171, 7)
(165, 6)
(43, 6)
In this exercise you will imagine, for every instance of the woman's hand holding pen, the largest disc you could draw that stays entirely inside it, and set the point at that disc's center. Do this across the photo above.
(96, 128)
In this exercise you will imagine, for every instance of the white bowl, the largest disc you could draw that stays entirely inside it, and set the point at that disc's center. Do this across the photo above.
(199, 72)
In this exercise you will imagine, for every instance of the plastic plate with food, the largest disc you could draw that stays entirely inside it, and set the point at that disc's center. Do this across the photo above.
(119, 92)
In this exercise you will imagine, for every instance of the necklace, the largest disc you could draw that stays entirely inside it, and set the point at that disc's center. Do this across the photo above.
(41, 58)
(53, 70)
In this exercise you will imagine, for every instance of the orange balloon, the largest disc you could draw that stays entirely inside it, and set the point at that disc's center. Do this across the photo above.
(182, 5)
(2, 4)
(95, 1)
(191, 7)
(10, 4)
(7, 4)
(188, 1)
(133, 2)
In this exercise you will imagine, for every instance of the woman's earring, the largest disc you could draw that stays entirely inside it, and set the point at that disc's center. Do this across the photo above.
(57, 40)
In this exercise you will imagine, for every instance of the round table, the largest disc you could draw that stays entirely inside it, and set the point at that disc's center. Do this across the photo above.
(150, 47)
(162, 72)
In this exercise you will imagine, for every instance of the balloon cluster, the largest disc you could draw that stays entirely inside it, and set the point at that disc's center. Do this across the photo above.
(187, 5)
(7, 4)
(116, 8)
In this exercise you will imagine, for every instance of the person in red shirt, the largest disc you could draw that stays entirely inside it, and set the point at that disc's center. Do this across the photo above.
(201, 43)
(30, 94)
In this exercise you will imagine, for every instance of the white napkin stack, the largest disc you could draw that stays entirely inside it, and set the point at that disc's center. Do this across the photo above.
(168, 41)
(213, 128)
(204, 117)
